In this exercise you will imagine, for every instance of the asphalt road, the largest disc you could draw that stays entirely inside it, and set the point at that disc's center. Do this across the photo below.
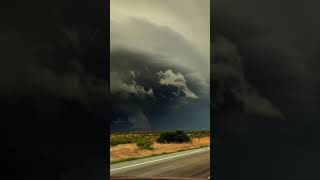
(191, 164)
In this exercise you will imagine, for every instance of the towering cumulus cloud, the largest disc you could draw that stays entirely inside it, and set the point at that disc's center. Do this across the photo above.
(169, 78)
(159, 64)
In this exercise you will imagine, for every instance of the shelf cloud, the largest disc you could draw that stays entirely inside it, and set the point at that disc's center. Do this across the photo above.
(265, 72)
(159, 62)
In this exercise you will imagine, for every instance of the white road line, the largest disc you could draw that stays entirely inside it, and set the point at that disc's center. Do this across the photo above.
(157, 160)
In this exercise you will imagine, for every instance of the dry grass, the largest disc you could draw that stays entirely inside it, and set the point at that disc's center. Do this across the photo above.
(124, 151)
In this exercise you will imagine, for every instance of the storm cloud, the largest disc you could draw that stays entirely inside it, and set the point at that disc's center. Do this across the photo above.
(53, 89)
(228, 76)
(276, 42)
(159, 64)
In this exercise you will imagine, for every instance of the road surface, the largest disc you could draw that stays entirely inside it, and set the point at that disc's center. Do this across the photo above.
(192, 163)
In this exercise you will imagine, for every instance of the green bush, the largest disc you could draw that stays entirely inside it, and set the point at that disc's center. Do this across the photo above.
(174, 137)
(145, 143)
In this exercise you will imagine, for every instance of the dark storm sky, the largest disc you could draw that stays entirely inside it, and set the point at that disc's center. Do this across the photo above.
(265, 77)
(159, 65)
(53, 89)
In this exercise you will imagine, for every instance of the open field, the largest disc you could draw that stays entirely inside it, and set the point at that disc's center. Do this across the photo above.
(123, 144)
(133, 137)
